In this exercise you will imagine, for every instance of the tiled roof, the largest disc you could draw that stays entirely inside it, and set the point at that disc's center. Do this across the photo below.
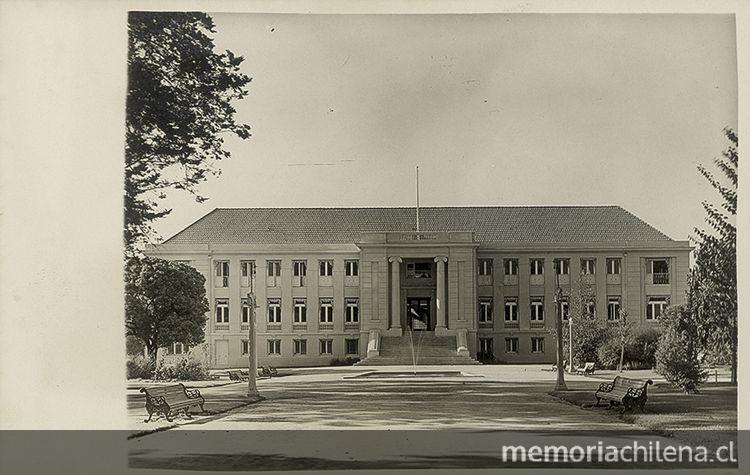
(509, 224)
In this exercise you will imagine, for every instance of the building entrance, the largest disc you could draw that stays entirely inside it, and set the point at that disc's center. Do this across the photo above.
(418, 313)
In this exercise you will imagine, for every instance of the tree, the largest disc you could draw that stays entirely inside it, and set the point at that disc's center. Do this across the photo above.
(588, 331)
(677, 353)
(712, 282)
(178, 112)
(165, 303)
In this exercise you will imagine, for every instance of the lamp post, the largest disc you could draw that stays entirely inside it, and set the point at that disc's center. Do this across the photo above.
(570, 342)
(560, 385)
(252, 363)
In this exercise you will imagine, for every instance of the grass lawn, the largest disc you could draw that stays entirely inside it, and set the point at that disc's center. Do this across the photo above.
(696, 419)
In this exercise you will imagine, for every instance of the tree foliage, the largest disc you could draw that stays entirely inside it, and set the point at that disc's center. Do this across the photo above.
(178, 111)
(165, 303)
(712, 294)
(588, 330)
(677, 352)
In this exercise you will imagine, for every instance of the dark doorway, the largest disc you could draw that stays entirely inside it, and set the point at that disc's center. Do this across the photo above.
(418, 313)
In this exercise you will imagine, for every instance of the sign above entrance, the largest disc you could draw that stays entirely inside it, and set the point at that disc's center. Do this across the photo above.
(418, 237)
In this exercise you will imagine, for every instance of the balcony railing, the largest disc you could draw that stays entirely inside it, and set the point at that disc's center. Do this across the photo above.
(660, 277)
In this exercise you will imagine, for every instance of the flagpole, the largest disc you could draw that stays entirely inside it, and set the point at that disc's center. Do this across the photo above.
(417, 198)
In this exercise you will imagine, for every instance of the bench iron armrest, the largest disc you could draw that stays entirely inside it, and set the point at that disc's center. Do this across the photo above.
(606, 387)
(193, 393)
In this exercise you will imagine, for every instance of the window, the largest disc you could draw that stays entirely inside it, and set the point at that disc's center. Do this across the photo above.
(222, 311)
(222, 273)
(562, 266)
(300, 347)
(299, 272)
(245, 346)
(245, 312)
(588, 266)
(485, 310)
(537, 344)
(419, 270)
(564, 308)
(511, 310)
(274, 273)
(326, 310)
(352, 346)
(511, 345)
(660, 271)
(537, 309)
(614, 266)
(274, 310)
(511, 266)
(352, 311)
(326, 268)
(274, 347)
(485, 266)
(326, 347)
(613, 308)
(300, 311)
(655, 307)
(247, 273)
(177, 349)
(486, 347)
(591, 308)
(537, 266)
(351, 268)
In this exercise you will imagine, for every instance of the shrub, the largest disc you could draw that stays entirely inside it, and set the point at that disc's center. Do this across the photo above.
(641, 352)
(485, 357)
(677, 353)
(186, 369)
(348, 361)
(608, 352)
(139, 366)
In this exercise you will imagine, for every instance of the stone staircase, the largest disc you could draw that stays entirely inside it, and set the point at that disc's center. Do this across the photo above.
(430, 350)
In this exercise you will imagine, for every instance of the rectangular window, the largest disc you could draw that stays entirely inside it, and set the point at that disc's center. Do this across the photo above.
(537, 344)
(326, 347)
(613, 308)
(510, 266)
(300, 311)
(537, 309)
(300, 347)
(485, 266)
(245, 347)
(245, 312)
(222, 311)
(352, 311)
(562, 266)
(274, 310)
(655, 307)
(177, 349)
(222, 273)
(419, 270)
(326, 310)
(588, 266)
(299, 273)
(511, 345)
(536, 266)
(274, 347)
(591, 308)
(614, 266)
(352, 346)
(511, 310)
(274, 273)
(351, 268)
(486, 347)
(659, 271)
(485, 310)
(326, 268)
(247, 273)
(565, 308)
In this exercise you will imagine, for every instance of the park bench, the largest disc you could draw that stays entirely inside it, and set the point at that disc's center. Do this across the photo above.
(269, 371)
(169, 400)
(235, 375)
(629, 392)
(588, 368)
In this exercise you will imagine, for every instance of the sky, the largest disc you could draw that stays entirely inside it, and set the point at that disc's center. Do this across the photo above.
(495, 109)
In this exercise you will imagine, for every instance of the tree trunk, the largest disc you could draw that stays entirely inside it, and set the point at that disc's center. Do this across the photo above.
(734, 355)
(152, 350)
(622, 357)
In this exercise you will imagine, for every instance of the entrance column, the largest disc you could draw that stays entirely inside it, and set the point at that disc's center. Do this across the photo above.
(440, 324)
(395, 292)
